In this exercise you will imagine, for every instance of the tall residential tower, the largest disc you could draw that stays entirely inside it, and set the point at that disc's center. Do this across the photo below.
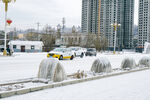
(98, 15)
(144, 23)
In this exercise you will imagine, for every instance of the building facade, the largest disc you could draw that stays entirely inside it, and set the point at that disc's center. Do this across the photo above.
(144, 23)
(73, 39)
(26, 46)
(98, 15)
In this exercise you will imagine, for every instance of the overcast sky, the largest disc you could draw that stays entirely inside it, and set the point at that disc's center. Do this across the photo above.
(26, 13)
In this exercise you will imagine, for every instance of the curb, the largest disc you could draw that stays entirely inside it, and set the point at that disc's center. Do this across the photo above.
(65, 83)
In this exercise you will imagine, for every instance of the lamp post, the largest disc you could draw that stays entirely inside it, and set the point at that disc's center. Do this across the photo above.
(6, 2)
(115, 25)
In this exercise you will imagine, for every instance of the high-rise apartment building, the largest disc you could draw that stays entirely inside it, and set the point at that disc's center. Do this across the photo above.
(98, 15)
(144, 23)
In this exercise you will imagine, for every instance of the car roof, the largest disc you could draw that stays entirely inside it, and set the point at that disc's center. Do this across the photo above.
(74, 47)
(90, 48)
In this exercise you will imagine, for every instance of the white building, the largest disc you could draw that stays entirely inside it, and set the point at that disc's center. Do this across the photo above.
(26, 46)
(144, 22)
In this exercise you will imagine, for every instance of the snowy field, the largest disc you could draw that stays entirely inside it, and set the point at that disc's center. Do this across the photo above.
(133, 86)
(25, 65)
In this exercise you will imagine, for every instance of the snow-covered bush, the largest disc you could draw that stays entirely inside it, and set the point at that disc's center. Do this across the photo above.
(52, 70)
(144, 62)
(101, 65)
(128, 63)
(146, 48)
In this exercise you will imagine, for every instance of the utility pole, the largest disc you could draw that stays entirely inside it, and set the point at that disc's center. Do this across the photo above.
(38, 26)
(15, 34)
(6, 2)
(63, 22)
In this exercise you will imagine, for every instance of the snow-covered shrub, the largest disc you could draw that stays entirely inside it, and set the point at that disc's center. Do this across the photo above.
(52, 70)
(144, 62)
(101, 65)
(128, 63)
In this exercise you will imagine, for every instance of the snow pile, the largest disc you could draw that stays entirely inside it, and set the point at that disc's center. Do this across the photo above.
(128, 63)
(101, 65)
(52, 70)
(11, 87)
(146, 48)
(144, 62)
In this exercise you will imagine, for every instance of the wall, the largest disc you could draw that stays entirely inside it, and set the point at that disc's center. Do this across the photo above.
(37, 48)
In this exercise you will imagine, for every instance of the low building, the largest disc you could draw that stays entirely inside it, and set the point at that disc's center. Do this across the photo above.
(73, 39)
(26, 46)
(20, 36)
(84, 40)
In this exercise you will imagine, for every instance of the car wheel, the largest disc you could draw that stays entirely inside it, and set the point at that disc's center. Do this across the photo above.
(71, 57)
(61, 57)
(82, 55)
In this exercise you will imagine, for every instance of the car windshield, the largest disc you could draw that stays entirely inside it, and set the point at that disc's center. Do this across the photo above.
(74, 48)
(59, 49)
(91, 49)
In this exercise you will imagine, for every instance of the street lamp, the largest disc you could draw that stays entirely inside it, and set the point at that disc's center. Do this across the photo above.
(6, 2)
(115, 25)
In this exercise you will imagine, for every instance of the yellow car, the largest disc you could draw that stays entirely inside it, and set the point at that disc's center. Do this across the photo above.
(61, 53)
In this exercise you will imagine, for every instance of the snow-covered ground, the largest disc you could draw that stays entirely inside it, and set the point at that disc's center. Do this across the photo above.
(25, 65)
(133, 86)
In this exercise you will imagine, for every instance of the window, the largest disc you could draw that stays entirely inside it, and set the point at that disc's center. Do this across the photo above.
(32, 47)
(14, 46)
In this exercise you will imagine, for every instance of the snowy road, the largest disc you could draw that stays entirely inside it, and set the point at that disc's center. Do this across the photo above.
(133, 86)
(25, 65)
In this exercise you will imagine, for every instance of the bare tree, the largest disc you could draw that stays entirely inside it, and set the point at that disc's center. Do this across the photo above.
(97, 43)
(32, 36)
(104, 43)
(49, 30)
(49, 41)
(90, 40)
(100, 43)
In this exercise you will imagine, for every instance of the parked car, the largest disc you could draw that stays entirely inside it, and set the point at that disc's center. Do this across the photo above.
(78, 51)
(61, 53)
(91, 52)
